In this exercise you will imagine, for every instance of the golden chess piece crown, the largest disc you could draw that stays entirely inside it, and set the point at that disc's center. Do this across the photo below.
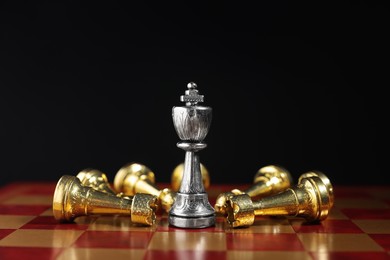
(312, 198)
(268, 180)
(71, 200)
(135, 177)
(177, 176)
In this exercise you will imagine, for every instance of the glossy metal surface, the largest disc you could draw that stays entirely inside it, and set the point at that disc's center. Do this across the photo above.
(310, 199)
(177, 176)
(324, 179)
(95, 179)
(191, 208)
(71, 200)
(268, 180)
(135, 178)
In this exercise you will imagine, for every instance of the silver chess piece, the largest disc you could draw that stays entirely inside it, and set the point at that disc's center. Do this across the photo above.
(191, 208)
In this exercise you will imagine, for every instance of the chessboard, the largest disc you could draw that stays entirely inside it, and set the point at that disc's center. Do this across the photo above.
(357, 227)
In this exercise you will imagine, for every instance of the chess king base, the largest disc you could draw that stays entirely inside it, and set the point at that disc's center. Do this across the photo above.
(189, 204)
(191, 208)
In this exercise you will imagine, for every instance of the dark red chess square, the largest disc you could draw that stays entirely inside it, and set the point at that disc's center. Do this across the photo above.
(259, 241)
(41, 189)
(328, 226)
(22, 209)
(49, 222)
(5, 232)
(367, 213)
(212, 200)
(10, 188)
(350, 255)
(184, 254)
(27, 188)
(382, 239)
(349, 192)
(114, 239)
(31, 253)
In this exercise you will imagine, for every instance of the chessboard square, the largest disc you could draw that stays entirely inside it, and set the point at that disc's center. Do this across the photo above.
(265, 225)
(41, 238)
(359, 203)
(30, 200)
(101, 253)
(263, 242)
(205, 241)
(327, 226)
(30, 253)
(184, 254)
(383, 240)
(162, 224)
(338, 242)
(350, 192)
(118, 223)
(40, 188)
(48, 222)
(336, 213)
(380, 193)
(377, 226)
(350, 255)
(48, 212)
(5, 232)
(274, 255)
(22, 209)
(367, 213)
(14, 222)
(28, 187)
(114, 239)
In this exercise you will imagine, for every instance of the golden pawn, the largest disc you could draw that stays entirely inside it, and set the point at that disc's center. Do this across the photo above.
(137, 178)
(95, 179)
(71, 199)
(312, 198)
(268, 180)
(177, 176)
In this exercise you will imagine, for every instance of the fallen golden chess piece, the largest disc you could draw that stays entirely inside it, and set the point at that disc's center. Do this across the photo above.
(137, 178)
(268, 180)
(71, 200)
(312, 198)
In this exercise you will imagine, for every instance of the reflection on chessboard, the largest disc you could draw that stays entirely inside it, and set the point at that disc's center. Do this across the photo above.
(357, 227)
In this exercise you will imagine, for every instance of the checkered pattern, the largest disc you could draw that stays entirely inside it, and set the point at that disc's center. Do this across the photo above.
(358, 227)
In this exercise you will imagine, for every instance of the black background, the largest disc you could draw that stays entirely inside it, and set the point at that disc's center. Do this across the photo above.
(298, 84)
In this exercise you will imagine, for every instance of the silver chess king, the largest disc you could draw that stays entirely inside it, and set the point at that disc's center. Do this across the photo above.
(191, 208)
